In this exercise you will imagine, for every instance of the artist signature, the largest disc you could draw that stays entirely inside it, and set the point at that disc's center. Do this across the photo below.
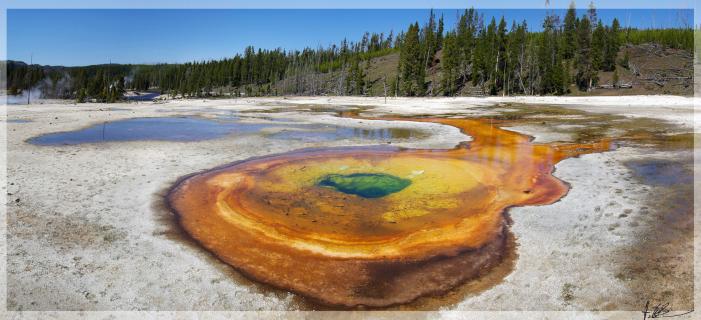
(660, 310)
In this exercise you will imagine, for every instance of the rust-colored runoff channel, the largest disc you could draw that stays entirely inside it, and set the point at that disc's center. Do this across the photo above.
(372, 226)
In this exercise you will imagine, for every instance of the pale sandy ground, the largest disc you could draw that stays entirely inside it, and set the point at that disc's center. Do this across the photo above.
(87, 229)
(671, 108)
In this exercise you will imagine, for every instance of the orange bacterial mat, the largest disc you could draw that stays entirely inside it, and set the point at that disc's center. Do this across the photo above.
(372, 226)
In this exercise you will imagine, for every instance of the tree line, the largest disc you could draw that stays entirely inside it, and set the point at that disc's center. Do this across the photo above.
(494, 57)
(501, 59)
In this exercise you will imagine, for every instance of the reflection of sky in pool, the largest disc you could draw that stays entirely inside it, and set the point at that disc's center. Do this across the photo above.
(660, 172)
(165, 128)
(196, 129)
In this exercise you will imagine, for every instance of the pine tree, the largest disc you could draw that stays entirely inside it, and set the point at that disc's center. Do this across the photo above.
(491, 51)
(393, 87)
(611, 46)
(451, 58)
(365, 74)
(428, 40)
(81, 96)
(591, 12)
(516, 65)
(412, 73)
(625, 62)
(478, 57)
(585, 69)
(501, 56)
(439, 34)
(569, 45)
(357, 77)
(465, 40)
(550, 59)
(597, 46)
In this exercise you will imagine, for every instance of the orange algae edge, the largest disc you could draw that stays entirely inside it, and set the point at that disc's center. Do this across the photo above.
(271, 219)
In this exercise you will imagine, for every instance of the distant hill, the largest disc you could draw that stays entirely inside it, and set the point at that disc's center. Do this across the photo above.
(653, 69)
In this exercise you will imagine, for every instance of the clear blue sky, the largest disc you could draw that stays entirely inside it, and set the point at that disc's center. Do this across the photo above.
(92, 36)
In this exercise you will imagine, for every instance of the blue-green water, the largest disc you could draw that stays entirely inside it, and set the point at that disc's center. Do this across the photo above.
(366, 185)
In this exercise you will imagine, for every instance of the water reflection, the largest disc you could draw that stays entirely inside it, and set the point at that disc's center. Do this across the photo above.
(196, 129)
(660, 172)
(163, 128)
